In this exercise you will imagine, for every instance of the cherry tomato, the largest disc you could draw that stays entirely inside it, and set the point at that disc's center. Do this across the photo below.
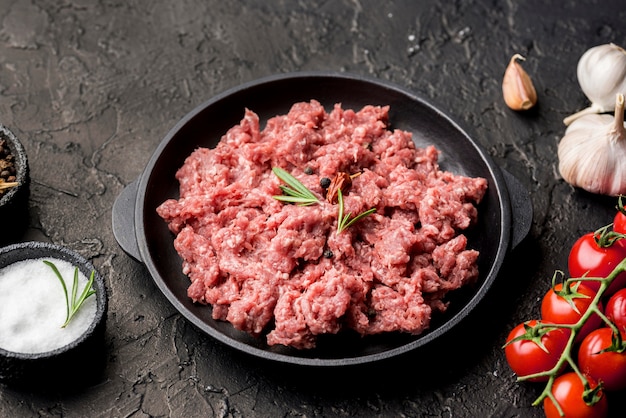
(556, 309)
(616, 309)
(619, 221)
(608, 367)
(526, 357)
(568, 391)
(587, 258)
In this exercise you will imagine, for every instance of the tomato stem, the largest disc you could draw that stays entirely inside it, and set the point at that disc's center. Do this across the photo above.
(604, 318)
(605, 236)
(620, 205)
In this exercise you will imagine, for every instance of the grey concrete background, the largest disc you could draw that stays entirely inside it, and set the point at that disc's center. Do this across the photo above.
(91, 88)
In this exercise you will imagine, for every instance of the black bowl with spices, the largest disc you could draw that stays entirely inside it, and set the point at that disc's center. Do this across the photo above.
(14, 186)
(40, 348)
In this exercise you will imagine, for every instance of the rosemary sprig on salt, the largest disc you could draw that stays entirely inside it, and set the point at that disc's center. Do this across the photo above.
(72, 303)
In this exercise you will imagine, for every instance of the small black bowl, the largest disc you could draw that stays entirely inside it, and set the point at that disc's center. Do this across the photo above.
(14, 201)
(73, 365)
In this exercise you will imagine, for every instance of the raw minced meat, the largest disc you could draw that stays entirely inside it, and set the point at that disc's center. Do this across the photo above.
(283, 270)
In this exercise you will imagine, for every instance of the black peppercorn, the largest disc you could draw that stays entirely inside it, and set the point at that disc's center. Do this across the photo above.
(324, 182)
(308, 170)
(328, 254)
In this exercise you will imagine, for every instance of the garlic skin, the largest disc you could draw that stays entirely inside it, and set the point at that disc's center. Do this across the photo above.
(592, 153)
(517, 88)
(601, 74)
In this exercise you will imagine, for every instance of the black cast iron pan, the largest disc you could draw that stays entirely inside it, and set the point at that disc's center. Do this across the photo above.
(145, 236)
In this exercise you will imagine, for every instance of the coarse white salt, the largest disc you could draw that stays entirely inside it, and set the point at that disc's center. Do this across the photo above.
(33, 307)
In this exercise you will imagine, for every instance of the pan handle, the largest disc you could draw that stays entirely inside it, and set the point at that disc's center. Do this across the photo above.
(521, 209)
(123, 221)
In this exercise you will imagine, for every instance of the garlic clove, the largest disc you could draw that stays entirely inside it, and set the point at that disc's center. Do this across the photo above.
(517, 87)
(601, 73)
(592, 153)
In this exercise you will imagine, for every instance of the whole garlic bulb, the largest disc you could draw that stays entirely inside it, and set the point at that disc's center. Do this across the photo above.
(601, 74)
(592, 153)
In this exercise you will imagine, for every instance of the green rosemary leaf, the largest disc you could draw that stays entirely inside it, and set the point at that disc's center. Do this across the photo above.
(58, 274)
(74, 290)
(87, 291)
(302, 201)
(340, 218)
(349, 223)
(291, 192)
(295, 192)
(73, 305)
(345, 221)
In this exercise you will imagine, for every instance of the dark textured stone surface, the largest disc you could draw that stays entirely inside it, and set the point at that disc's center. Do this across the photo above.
(91, 87)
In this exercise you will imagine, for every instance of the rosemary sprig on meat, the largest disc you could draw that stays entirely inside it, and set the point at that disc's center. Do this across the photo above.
(345, 221)
(73, 304)
(295, 192)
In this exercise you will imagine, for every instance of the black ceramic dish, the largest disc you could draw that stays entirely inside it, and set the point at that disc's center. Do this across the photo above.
(145, 236)
(79, 359)
(14, 201)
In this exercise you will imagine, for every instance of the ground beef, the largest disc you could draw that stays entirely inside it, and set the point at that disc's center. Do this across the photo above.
(283, 270)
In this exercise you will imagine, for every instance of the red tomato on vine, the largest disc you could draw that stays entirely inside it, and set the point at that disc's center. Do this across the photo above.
(571, 395)
(596, 254)
(530, 350)
(616, 309)
(602, 356)
(619, 221)
(567, 306)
